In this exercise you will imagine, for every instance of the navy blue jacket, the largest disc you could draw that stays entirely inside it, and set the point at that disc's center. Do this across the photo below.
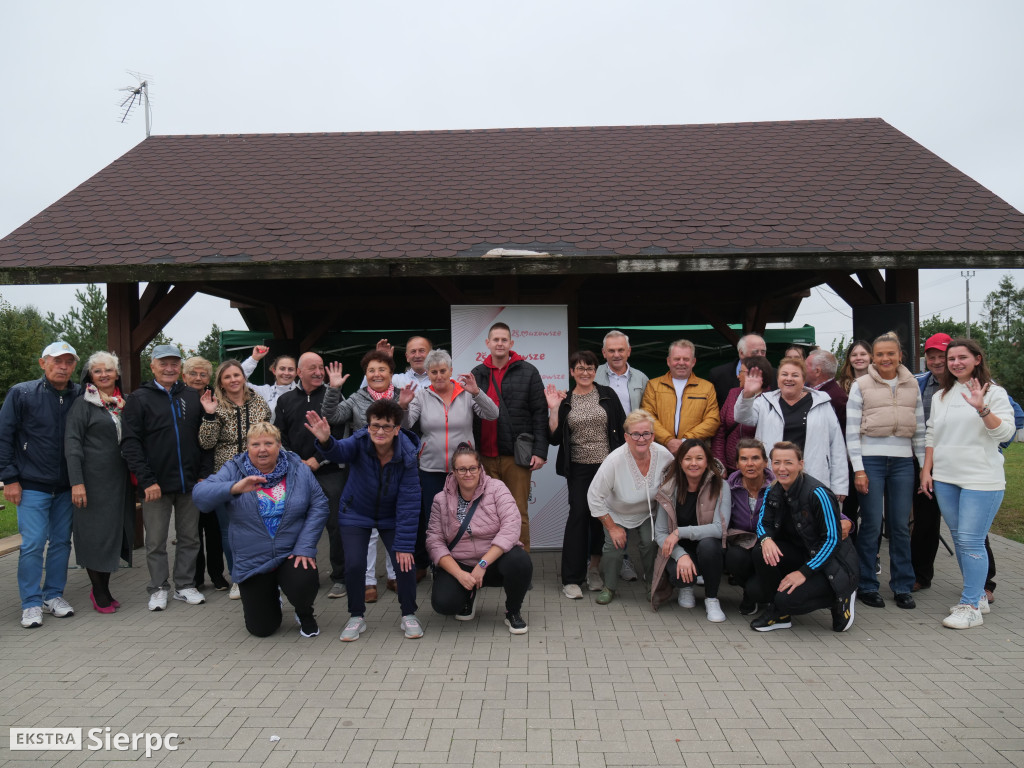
(254, 551)
(32, 435)
(385, 497)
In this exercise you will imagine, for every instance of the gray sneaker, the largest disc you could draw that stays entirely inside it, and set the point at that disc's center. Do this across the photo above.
(594, 581)
(59, 607)
(355, 627)
(411, 626)
(337, 590)
(627, 572)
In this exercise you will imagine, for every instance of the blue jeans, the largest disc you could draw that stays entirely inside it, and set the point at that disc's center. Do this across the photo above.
(891, 486)
(969, 515)
(43, 517)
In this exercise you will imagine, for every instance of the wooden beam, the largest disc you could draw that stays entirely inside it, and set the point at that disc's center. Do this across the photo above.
(327, 321)
(850, 291)
(715, 321)
(153, 293)
(122, 317)
(282, 321)
(902, 287)
(506, 290)
(872, 281)
(446, 288)
(160, 315)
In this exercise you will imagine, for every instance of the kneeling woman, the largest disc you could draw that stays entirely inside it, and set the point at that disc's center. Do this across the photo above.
(277, 512)
(473, 539)
(802, 560)
(382, 492)
(695, 505)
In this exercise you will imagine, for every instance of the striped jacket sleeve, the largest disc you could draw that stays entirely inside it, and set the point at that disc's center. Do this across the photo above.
(826, 513)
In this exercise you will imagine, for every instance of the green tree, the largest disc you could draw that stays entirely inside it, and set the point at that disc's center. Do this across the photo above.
(209, 347)
(1003, 310)
(23, 331)
(146, 358)
(957, 330)
(84, 326)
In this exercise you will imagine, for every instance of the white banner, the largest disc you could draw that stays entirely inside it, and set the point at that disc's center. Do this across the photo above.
(540, 334)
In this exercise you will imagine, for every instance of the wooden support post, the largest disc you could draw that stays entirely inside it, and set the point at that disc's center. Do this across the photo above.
(871, 280)
(901, 287)
(122, 317)
(160, 314)
(850, 290)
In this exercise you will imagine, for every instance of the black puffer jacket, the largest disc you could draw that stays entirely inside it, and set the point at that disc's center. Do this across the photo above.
(814, 512)
(160, 436)
(522, 408)
(612, 407)
(290, 418)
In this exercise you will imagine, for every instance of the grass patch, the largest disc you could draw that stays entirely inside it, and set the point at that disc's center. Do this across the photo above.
(8, 519)
(1009, 521)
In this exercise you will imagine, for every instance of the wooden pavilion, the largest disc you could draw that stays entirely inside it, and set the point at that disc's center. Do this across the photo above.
(628, 225)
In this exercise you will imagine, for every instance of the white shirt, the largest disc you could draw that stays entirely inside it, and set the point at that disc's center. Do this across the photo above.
(680, 385)
(620, 383)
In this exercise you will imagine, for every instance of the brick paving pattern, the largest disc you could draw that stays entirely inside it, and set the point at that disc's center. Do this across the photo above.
(589, 685)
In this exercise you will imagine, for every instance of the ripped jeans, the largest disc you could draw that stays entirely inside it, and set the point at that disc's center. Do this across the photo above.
(969, 515)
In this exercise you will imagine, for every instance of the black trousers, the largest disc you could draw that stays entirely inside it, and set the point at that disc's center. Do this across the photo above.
(739, 563)
(813, 594)
(356, 540)
(332, 482)
(707, 555)
(431, 484)
(211, 553)
(513, 571)
(261, 603)
(584, 535)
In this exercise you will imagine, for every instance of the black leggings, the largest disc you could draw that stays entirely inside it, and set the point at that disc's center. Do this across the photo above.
(813, 594)
(739, 563)
(707, 555)
(584, 534)
(209, 540)
(513, 571)
(261, 601)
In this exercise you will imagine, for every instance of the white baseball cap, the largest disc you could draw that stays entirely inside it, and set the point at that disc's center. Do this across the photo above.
(59, 348)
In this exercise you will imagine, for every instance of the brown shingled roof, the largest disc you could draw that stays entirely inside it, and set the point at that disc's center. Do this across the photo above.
(824, 187)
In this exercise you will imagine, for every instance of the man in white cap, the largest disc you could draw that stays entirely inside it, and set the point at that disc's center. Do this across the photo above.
(160, 442)
(35, 478)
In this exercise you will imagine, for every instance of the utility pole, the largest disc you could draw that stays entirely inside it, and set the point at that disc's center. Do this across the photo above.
(967, 275)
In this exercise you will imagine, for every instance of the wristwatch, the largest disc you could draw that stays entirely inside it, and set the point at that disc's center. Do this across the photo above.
(483, 564)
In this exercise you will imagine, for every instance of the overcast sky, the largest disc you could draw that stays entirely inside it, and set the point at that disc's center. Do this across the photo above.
(948, 74)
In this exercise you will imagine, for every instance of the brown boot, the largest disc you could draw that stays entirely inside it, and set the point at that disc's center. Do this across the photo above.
(371, 593)
(392, 585)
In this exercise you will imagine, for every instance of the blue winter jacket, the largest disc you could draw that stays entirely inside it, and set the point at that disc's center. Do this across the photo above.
(254, 550)
(385, 497)
(32, 435)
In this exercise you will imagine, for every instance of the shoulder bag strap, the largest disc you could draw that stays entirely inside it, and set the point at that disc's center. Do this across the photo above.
(465, 524)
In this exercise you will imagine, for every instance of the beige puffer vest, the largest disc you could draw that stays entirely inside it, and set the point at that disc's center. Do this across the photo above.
(887, 412)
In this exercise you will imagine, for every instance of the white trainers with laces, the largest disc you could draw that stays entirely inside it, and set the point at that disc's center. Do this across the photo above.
(686, 598)
(59, 607)
(158, 600)
(32, 617)
(189, 595)
(983, 606)
(234, 594)
(714, 609)
(963, 617)
(572, 591)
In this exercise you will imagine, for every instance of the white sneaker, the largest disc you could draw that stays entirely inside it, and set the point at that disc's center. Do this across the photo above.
(572, 591)
(32, 617)
(627, 572)
(189, 595)
(412, 627)
(158, 600)
(699, 581)
(714, 609)
(355, 627)
(234, 594)
(686, 598)
(59, 607)
(963, 617)
(594, 581)
(983, 606)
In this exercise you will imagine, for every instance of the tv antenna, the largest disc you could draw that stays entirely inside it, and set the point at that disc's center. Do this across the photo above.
(138, 94)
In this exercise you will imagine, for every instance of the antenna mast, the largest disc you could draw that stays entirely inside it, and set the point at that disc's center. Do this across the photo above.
(138, 94)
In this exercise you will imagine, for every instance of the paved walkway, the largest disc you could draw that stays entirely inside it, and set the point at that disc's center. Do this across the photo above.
(589, 685)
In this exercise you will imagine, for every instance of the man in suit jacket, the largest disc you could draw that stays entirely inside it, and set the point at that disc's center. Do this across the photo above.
(821, 374)
(726, 376)
(616, 372)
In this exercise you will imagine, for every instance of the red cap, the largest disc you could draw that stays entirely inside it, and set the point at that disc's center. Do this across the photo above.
(939, 341)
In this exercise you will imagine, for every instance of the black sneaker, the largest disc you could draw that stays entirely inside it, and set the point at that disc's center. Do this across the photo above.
(905, 600)
(307, 626)
(469, 609)
(768, 621)
(515, 623)
(220, 583)
(872, 599)
(842, 612)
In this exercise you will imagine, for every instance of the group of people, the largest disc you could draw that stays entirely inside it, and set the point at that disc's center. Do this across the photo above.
(782, 489)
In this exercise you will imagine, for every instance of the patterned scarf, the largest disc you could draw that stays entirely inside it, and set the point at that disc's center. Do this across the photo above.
(270, 499)
(387, 394)
(113, 404)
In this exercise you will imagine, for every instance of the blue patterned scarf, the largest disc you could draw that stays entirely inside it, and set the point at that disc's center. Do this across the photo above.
(270, 499)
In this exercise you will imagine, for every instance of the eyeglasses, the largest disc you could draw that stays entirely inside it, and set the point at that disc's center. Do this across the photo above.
(387, 429)
(640, 435)
(198, 375)
(463, 471)
(584, 369)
